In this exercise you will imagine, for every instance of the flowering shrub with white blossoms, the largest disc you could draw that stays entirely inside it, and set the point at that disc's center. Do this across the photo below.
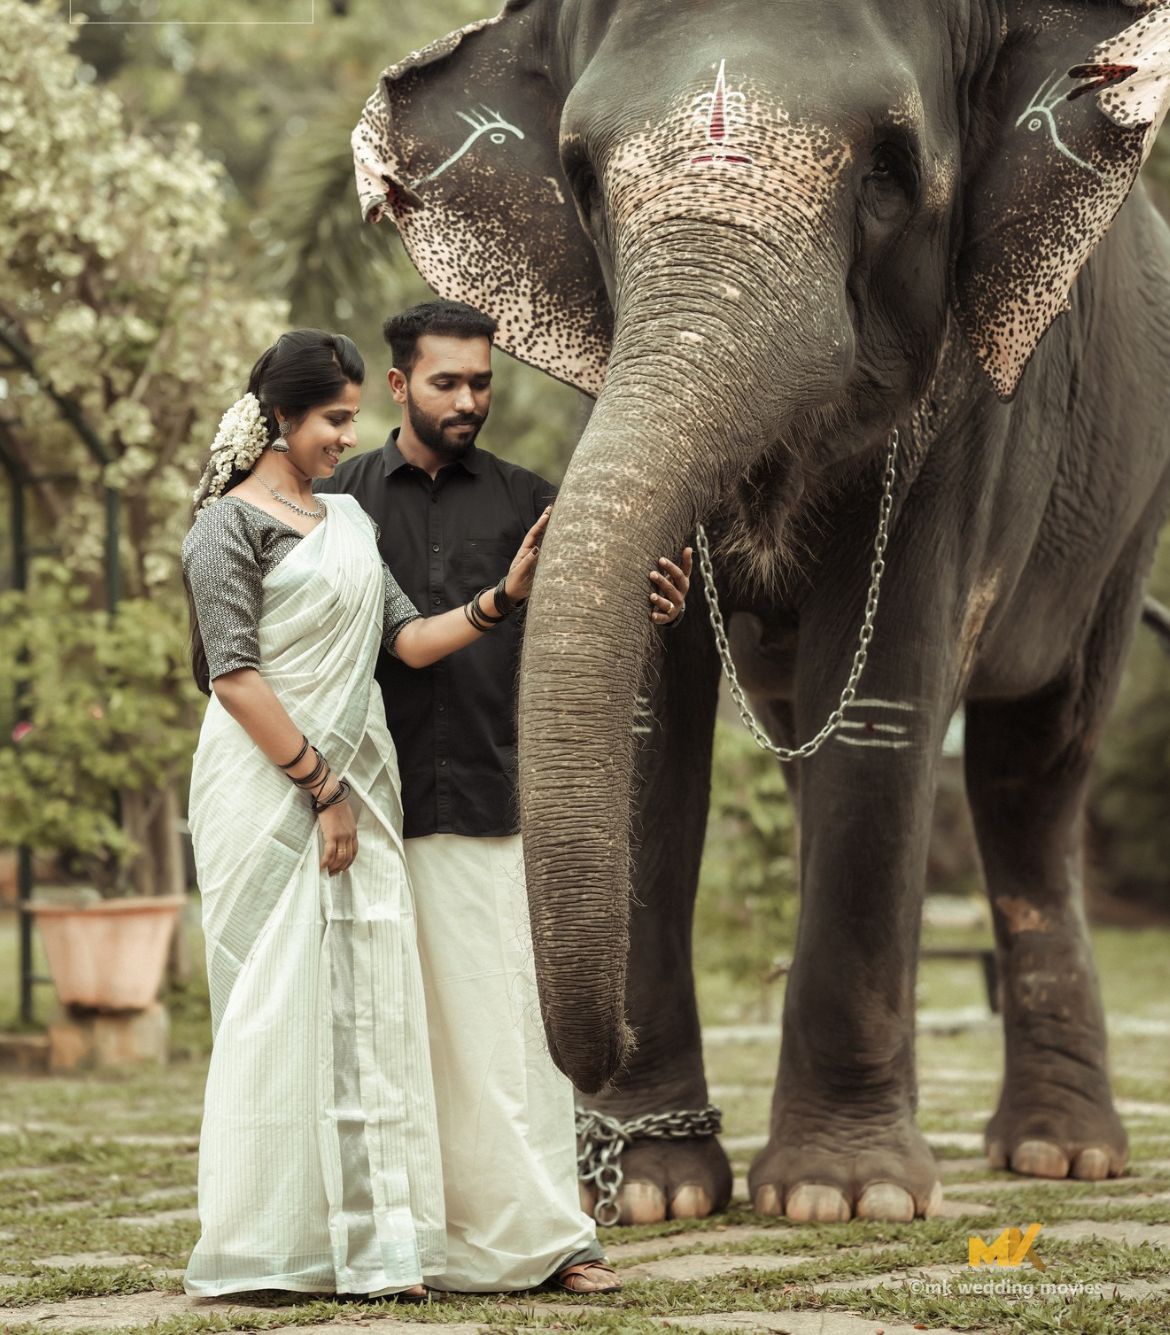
(118, 308)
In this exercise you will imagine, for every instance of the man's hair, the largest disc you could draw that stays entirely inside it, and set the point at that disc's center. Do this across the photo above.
(454, 319)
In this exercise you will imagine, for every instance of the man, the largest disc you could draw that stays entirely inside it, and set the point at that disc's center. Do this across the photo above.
(451, 517)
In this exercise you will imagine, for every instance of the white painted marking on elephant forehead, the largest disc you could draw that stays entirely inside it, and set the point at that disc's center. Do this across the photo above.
(1040, 113)
(484, 121)
(720, 113)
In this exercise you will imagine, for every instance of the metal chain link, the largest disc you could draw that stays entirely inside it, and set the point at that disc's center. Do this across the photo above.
(876, 570)
(602, 1139)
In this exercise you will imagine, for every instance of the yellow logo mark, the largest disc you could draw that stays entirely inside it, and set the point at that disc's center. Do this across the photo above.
(1012, 1248)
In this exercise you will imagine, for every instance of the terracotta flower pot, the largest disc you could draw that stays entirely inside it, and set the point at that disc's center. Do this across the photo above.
(107, 956)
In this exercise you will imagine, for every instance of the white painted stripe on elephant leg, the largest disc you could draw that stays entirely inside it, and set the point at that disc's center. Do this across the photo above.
(875, 727)
(873, 741)
(643, 716)
(880, 704)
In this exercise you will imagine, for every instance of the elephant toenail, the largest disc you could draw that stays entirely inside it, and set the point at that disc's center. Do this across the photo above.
(1039, 1158)
(641, 1203)
(934, 1204)
(996, 1154)
(690, 1202)
(767, 1201)
(884, 1200)
(1091, 1165)
(809, 1203)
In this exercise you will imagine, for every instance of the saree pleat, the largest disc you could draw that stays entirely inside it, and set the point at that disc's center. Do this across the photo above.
(319, 1165)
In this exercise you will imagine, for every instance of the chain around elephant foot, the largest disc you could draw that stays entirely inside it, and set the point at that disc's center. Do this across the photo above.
(649, 1168)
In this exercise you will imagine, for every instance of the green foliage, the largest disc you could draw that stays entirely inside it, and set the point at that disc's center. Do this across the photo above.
(1131, 837)
(127, 336)
(745, 917)
(108, 707)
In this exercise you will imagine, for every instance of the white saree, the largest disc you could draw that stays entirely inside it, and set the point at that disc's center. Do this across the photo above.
(319, 1164)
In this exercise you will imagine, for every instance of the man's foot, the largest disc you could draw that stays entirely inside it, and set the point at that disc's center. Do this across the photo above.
(587, 1277)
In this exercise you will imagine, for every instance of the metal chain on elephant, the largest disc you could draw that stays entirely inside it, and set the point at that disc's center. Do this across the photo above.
(876, 570)
(602, 1139)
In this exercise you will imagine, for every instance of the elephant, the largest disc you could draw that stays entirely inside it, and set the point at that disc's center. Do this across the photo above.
(825, 269)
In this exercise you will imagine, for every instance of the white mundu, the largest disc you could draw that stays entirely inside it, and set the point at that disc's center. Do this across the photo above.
(319, 1167)
(505, 1112)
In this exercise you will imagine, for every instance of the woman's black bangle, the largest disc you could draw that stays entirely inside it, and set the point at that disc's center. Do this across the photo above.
(505, 603)
(470, 615)
(300, 755)
(316, 775)
(491, 620)
(334, 799)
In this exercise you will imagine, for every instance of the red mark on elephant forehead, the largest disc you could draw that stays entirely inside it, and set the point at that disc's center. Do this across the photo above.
(1100, 76)
(720, 111)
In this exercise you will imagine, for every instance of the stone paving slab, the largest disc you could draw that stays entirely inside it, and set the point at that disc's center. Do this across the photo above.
(1116, 1230)
(802, 1323)
(686, 1267)
(114, 1312)
(962, 1209)
(676, 1242)
(186, 1214)
(110, 1259)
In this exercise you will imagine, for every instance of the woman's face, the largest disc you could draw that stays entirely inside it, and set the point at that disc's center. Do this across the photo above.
(316, 444)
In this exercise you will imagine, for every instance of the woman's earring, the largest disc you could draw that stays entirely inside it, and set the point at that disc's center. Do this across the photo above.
(281, 445)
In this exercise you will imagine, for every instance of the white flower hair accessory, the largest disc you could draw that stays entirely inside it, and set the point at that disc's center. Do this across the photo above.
(241, 439)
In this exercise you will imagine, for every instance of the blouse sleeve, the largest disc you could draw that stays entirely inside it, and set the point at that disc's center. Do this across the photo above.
(397, 610)
(223, 574)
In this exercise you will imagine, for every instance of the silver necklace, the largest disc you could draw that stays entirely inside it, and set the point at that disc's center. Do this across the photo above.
(876, 570)
(318, 513)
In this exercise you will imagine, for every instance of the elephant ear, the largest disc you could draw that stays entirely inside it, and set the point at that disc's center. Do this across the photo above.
(1079, 91)
(458, 144)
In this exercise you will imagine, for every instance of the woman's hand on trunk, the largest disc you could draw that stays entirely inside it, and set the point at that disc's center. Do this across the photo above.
(671, 583)
(521, 572)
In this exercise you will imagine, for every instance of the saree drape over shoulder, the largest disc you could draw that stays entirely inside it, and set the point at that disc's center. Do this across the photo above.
(319, 1163)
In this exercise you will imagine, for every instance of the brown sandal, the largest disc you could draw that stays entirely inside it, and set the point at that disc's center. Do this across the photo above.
(566, 1279)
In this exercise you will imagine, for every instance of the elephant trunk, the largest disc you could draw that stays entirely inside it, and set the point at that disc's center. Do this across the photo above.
(681, 414)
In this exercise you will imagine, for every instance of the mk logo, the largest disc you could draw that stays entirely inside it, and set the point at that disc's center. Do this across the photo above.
(1011, 1248)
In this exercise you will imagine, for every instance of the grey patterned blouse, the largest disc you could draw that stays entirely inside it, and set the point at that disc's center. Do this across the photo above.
(231, 546)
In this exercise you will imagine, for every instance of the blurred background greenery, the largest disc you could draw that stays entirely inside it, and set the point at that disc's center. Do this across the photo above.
(172, 195)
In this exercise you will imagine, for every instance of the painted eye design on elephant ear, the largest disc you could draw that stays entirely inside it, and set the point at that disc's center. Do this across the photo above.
(1040, 115)
(482, 121)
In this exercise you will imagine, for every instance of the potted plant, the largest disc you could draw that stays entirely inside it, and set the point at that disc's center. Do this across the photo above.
(101, 713)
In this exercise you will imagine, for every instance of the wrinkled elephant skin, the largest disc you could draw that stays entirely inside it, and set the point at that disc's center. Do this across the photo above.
(763, 235)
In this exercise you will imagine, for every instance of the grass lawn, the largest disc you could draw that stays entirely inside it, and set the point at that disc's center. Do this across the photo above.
(97, 1189)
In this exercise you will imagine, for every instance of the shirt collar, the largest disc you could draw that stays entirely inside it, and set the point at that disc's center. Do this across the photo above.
(472, 461)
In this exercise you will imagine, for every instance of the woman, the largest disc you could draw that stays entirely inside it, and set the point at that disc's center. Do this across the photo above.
(319, 1166)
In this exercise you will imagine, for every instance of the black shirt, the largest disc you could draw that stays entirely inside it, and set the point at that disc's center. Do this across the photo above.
(454, 723)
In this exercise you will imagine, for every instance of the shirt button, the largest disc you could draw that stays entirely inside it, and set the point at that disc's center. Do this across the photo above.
(436, 601)
(441, 708)
(434, 500)
(434, 547)
(442, 764)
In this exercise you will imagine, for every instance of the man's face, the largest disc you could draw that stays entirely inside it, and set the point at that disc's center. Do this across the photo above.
(447, 393)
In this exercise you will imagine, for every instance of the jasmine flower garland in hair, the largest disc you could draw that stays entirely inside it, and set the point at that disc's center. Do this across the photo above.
(239, 442)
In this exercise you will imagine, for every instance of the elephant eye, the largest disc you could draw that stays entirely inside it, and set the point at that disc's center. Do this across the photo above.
(884, 165)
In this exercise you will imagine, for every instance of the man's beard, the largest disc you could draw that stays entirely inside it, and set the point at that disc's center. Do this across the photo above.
(430, 430)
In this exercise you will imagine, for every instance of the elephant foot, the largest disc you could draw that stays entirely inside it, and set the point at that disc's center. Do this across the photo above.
(829, 1172)
(1049, 1131)
(669, 1179)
